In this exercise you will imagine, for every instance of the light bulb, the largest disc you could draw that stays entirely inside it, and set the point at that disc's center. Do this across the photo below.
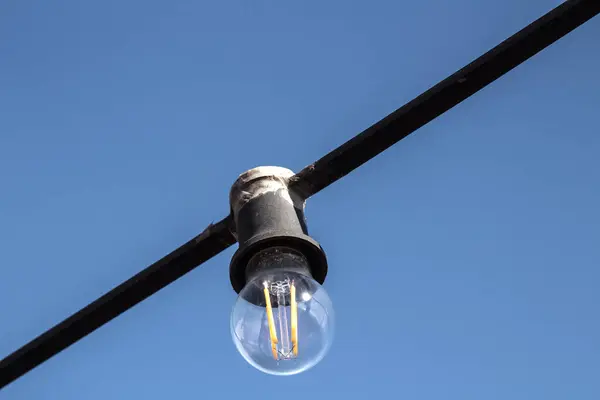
(282, 322)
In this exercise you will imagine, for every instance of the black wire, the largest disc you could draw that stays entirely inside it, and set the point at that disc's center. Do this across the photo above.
(312, 179)
(203, 247)
(445, 95)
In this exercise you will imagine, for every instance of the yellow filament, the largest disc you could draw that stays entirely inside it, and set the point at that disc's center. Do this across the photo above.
(272, 331)
(294, 317)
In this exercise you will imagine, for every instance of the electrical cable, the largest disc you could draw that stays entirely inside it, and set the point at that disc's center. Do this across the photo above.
(312, 179)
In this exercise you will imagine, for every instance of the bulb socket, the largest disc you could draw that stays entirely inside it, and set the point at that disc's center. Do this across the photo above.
(268, 215)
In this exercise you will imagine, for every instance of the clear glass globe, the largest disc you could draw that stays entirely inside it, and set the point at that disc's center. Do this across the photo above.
(282, 322)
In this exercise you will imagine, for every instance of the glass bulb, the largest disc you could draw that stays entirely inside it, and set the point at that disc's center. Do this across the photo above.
(282, 322)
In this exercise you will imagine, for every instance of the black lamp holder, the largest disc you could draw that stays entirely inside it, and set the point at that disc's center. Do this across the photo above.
(269, 217)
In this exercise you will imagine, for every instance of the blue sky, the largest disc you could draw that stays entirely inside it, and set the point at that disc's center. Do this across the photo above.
(464, 262)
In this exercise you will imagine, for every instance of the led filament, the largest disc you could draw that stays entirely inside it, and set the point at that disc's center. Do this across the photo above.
(285, 345)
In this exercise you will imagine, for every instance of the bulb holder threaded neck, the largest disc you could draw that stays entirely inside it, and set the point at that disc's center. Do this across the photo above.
(268, 215)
